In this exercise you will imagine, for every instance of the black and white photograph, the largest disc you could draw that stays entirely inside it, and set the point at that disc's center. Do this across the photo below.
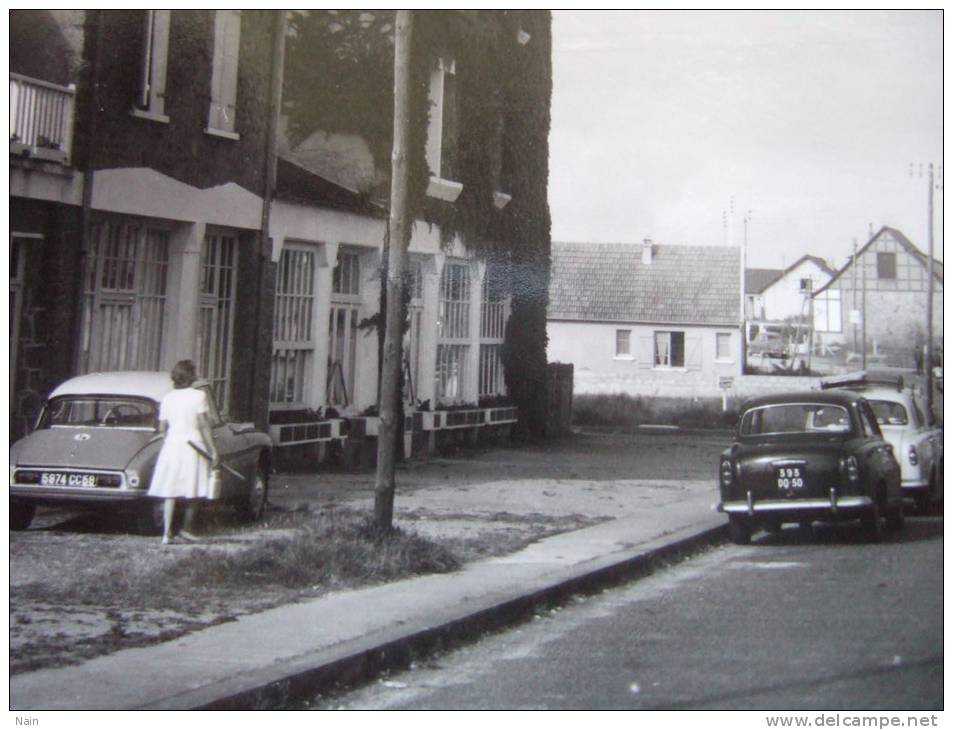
(467, 360)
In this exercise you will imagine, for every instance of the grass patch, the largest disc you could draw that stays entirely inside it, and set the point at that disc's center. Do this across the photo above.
(328, 551)
(625, 412)
(317, 553)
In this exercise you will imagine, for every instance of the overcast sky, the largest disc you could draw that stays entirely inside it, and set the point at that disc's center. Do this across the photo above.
(809, 119)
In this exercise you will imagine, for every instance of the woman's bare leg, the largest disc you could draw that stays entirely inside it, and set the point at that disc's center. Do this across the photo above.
(168, 512)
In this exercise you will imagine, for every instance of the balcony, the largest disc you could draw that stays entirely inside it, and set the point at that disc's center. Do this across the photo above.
(41, 119)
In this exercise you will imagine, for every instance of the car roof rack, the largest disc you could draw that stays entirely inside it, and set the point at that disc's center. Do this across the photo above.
(863, 378)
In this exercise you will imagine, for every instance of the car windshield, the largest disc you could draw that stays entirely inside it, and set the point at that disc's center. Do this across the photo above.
(106, 411)
(889, 413)
(795, 418)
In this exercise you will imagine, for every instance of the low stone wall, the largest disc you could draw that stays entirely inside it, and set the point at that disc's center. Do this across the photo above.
(671, 386)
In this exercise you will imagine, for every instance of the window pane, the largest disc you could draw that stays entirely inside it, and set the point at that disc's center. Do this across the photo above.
(622, 346)
(886, 266)
(723, 346)
(678, 349)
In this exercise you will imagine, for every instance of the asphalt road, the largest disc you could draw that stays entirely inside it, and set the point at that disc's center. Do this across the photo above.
(819, 621)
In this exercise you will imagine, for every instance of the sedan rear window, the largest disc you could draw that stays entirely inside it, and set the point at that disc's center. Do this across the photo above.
(103, 411)
(889, 413)
(795, 418)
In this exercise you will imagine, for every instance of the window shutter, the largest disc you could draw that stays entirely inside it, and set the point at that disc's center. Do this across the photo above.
(646, 352)
(224, 86)
(693, 352)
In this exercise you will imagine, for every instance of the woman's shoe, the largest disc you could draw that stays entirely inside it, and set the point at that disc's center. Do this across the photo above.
(188, 536)
(167, 540)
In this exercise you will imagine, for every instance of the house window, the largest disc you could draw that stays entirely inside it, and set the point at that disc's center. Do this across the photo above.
(347, 274)
(224, 88)
(292, 358)
(805, 285)
(217, 312)
(623, 343)
(443, 132)
(723, 346)
(670, 349)
(155, 53)
(453, 332)
(886, 265)
(124, 289)
(494, 311)
(342, 328)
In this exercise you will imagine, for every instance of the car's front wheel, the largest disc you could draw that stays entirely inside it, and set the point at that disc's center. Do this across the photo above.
(252, 505)
(739, 529)
(21, 514)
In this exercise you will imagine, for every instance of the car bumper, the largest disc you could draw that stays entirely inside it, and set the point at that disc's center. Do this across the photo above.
(75, 494)
(833, 505)
(915, 485)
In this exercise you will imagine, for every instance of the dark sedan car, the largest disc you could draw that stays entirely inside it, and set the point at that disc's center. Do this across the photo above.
(801, 457)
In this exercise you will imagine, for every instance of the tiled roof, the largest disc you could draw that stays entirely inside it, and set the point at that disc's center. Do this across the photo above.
(607, 282)
(757, 280)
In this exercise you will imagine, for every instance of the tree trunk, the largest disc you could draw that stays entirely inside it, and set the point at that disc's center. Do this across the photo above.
(399, 227)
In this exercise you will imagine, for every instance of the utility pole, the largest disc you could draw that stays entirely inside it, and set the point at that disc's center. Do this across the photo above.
(853, 293)
(929, 357)
(399, 225)
(933, 184)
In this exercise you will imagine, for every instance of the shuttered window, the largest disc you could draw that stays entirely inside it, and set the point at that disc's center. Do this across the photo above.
(217, 312)
(155, 53)
(345, 315)
(494, 311)
(124, 297)
(294, 344)
(224, 88)
(453, 331)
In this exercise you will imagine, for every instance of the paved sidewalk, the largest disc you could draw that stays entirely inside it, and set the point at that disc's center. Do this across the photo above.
(289, 653)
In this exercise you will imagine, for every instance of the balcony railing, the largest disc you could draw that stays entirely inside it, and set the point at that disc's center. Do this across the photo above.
(41, 119)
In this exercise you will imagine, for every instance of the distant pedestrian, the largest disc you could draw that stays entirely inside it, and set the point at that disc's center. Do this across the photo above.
(181, 473)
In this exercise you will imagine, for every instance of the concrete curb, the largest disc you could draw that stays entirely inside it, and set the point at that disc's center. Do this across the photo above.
(290, 684)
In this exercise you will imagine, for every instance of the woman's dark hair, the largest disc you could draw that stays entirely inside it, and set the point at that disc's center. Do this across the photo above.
(183, 374)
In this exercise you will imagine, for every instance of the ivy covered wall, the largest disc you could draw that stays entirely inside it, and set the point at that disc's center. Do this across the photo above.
(339, 79)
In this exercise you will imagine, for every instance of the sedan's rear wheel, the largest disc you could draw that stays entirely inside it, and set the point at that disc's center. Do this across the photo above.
(871, 524)
(21, 514)
(252, 505)
(896, 518)
(739, 530)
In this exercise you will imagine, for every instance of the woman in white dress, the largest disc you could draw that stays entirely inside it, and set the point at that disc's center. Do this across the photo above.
(181, 472)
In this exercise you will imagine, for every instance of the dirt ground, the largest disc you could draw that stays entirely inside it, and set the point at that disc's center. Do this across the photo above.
(504, 497)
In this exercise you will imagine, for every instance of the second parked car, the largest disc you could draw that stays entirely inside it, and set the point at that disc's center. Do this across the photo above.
(806, 456)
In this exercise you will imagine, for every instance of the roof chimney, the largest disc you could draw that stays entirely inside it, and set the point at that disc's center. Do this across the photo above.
(647, 251)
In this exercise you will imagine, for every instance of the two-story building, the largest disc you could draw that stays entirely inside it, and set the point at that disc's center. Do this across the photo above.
(885, 285)
(156, 251)
(159, 212)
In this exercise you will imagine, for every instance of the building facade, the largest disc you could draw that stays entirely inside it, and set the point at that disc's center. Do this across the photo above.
(646, 319)
(159, 212)
(886, 287)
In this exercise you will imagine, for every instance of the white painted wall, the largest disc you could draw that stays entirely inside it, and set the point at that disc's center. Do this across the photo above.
(784, 297)
(591, 348)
